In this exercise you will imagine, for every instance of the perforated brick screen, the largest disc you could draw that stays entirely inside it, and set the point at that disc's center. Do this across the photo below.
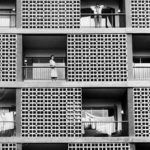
(97, 57)
(141, 99)
(8, 57)
(99, 146)
(47, 112)
(50, 13)
(9, 146)
(140, 13)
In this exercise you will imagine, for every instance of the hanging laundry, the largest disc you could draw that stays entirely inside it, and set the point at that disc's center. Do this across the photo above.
(101, 124)
(6, 120)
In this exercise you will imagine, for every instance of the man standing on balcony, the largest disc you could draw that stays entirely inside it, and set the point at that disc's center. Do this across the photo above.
(97, 14)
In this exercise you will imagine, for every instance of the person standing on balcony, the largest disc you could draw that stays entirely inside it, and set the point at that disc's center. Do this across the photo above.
(53, 68)
(97, 14)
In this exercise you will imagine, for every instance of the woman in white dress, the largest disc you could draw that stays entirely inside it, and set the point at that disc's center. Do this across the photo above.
(53, 69)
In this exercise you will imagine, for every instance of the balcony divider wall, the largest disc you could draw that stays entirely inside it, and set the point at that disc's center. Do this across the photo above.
(128, 13)
(67, 16)
(19, 69)
(130, 57)
(130, 111)
(140, 15)
(8, 146)
(141, 110)
(51, 112)
(8, 57)
(100, 146)
(18, 112)
(97, 57)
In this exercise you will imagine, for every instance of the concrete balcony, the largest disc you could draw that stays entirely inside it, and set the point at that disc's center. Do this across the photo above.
(44, 72)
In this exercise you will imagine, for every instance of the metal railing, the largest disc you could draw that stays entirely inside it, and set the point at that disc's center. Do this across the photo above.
(107, 20)
(44, 59)
(7, 128)
(7, 20)
(43, 72)
(115, 128)
(141, 72)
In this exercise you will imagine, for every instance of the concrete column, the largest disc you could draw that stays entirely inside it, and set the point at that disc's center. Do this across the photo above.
(128, 13)
(130, 112)
(19, 146)
(130, 57)
(19, 58)
(132, 146)
(18, 13)
(117, 23)
(18, 112)
(119, 116)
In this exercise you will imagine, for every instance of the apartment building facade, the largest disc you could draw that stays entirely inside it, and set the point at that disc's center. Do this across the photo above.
(101, 97)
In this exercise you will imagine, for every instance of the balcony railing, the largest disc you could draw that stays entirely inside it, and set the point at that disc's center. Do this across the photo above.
(141, 72)
(107, 20)
(43, 72)
(7, 20)
(98, 129)
(7, 128)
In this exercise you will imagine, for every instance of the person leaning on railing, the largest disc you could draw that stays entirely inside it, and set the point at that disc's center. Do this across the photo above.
(52, 63)
(97, 14)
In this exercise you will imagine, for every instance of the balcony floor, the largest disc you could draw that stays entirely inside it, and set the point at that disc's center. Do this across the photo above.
(49, 83)
(74, 139)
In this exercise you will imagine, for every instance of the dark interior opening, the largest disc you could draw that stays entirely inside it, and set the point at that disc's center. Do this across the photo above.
(8, 98)
(106, 107)
(142, 146)
(141, 50)
(44, 146)
(41, 47)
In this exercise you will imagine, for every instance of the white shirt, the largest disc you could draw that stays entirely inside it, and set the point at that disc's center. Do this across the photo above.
(97, 10)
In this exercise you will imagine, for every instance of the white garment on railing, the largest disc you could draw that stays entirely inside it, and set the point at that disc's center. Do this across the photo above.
(6, 121)
(142, 72)
(9, 121)
(101, 124)
(89, 22)
(4, 21)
